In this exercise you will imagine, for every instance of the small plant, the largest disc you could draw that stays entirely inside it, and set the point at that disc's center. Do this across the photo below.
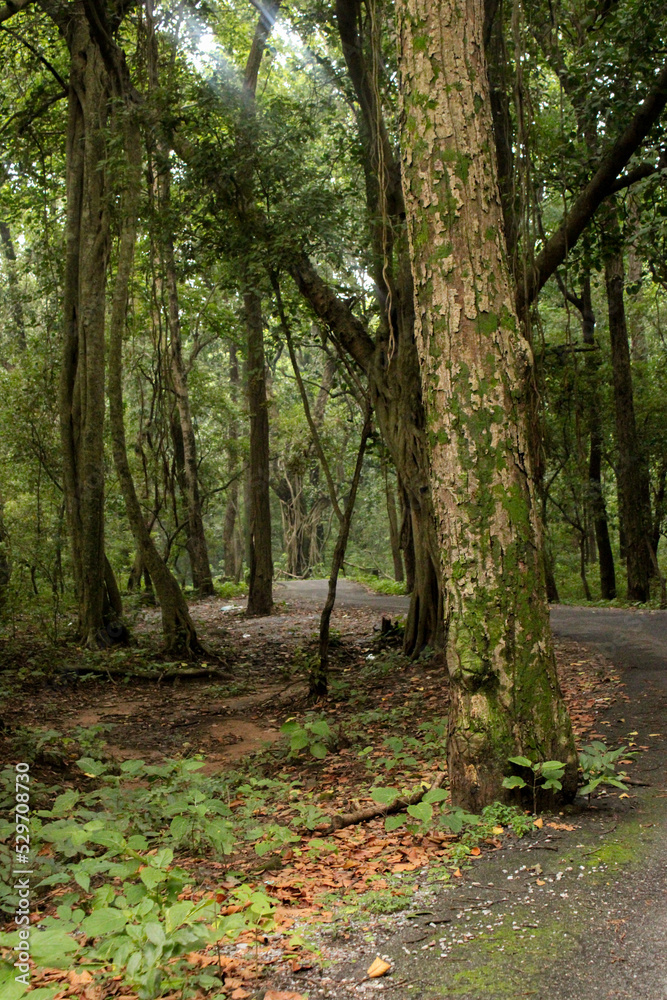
(317, 737)
(598, 765)
(545, 774)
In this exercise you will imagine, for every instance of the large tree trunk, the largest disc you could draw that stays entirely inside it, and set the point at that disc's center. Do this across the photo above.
(82, 379)
(260, 588)
(505, 697)
(632, 471)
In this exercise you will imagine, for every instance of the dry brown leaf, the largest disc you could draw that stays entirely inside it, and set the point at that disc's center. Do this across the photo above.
(283, 995)
(239, 994)
(79, 978)
(539, 823)
(561, 826)
(378, 968)
(475, 852)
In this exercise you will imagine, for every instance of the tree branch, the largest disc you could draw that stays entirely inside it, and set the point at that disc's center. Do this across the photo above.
(598, 188)
(333, 311)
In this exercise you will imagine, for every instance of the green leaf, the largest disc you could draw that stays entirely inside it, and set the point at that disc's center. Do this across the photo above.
(320, 728)
(90, 767)
(52, 948)
(155, 933)
(393, 822)
(177, 914)
(514, 782)
(179, 827)
(552, 783)
(521, 761)
(422, 811)
(82, 879)
(152, 877)
(105, 921)
(299, 740)
(318, 750)
(436, 795)
(384, 796)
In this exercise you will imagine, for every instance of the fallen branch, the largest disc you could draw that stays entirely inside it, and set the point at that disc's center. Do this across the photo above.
(371, 812)
(152, 675)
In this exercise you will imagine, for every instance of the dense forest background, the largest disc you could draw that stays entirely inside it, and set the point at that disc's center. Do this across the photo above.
(268, 273)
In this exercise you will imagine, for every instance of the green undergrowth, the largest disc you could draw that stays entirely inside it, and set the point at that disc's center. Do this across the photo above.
(381, 585)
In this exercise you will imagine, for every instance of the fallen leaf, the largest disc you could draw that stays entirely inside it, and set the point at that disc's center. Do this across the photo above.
(458, 873)
(539, 823)
(283, 995)
(498, 830)
(475, 852)
(378, 968)
(624, 795)
(561, 826)
(239, 994)
(79, 978)
(540, 881)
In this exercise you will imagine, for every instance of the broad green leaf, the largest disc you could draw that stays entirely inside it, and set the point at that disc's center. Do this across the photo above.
(514, 782)
(91, 768)
(52, 948)
(521, 761)
(422, 811)
(436, 795)
(318, 750)
(105, 921)
(384, 796)
(393, 822)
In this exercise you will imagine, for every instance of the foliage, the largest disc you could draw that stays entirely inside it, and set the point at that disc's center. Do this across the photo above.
(598, 765)
(545, 774)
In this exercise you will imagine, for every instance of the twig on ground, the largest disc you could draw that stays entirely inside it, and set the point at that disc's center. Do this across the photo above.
(342, 820)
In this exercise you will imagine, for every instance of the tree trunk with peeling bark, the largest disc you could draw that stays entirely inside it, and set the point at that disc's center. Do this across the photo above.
(505, 696)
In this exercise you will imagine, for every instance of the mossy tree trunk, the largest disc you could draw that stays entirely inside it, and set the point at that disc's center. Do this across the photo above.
(505, 697)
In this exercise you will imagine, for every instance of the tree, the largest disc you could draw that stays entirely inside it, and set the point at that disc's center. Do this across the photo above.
(505, 697)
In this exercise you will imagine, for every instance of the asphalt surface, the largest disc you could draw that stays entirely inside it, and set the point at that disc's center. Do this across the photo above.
(596, 928)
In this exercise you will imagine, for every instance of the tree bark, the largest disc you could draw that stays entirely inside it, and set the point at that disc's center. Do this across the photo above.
(505, 697)
(202, 580)
(260, 587)
(14, 290)
(596, 497)
(260, 560)
(178, 629)
(82, 380)
(232, 552)
(632, 470)
(394, 533)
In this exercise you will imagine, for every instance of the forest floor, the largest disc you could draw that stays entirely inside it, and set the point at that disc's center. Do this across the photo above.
(572, 905)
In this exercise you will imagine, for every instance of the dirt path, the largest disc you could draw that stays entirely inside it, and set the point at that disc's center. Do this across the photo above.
(580, 909)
